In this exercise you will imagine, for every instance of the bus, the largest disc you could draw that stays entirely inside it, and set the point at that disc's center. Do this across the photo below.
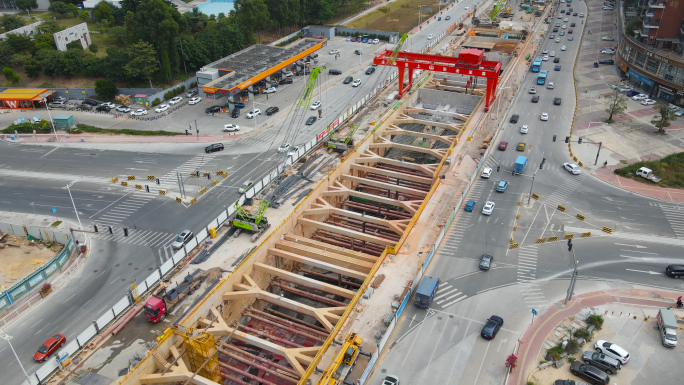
(541, 79)
(536, 65)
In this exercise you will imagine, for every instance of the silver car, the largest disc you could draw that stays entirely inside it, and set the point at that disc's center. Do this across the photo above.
(182, 239)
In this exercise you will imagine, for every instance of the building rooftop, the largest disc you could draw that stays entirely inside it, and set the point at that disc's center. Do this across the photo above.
(258, 61)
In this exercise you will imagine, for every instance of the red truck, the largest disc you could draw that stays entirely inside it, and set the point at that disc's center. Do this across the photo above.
(163, 301)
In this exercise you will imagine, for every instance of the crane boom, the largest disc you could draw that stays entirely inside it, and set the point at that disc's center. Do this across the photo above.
(344, 359)
(309, 88)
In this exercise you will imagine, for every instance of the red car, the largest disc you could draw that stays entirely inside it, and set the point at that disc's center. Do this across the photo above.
(49, 347)
(574, 14)
(570, 31)
(503, 145)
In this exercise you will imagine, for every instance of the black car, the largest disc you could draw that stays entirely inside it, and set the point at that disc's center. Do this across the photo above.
(556, 60)
(348, 80)
(272, 110)
(84, 107)
(214, 147)
(535, 99)
(590, 373)
(572, 25)
(370, 71)
(557, 101)
(311, 120)
(555, 29)
(90, 102)
(235, 113)
(286, 81)
(358, 52)
(606, 61)
(675, 271)
(103, 108)
(335, 72)
(212, 109)
(514, 118)
(493, 325)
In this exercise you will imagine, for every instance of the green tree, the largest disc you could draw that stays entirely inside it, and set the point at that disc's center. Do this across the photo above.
(52, 60)
(85, 15)
(43, 41)
(252, 14)
(143, 61)
(59, 8)
(103, 12)
(6, 53)
(26, 5)
(113, 65)
(93, 48)
(49, 27)
(72, 63)
(73, 10)
(664, 118)
(10, 75)
(19, 42)
(617, 104)
(106, 88)
(33, 68)
(11, 22)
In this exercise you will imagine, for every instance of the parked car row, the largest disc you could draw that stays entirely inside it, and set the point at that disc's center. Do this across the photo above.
(362, 40)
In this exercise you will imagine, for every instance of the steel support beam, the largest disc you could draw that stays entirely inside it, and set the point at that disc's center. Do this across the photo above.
(340, 230)
(329, 257)
(304, 281)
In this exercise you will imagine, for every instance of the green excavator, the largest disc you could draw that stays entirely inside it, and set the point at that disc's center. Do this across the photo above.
(342, 144)
(256, 222)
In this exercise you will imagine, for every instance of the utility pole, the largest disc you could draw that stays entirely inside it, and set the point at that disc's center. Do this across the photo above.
(196, 129)
(575, 273)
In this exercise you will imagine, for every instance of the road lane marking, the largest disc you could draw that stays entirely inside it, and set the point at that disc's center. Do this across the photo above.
(408, 353)
(436, 345)
(49, 152)
(72, 296)
(637, 246)
(642, 252)
(116, 279)
(647, 272)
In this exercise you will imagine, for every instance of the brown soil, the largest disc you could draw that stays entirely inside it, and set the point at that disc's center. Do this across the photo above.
(400, 16)
(18, 262)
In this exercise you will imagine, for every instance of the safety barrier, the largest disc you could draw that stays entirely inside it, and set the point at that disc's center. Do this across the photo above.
(151, 177)
(131, 177)
(541, 240)
(553, 238)
(162, 192)
(607, 230)
(535, 196)
(124, 183)
(179, 200)
(203, 190)
(569, 236)
(586, 235)
(580, 217)
(513, 246)
(115, 179)
(193, 201)
(561, 208)
(138, 186)
(214, 182)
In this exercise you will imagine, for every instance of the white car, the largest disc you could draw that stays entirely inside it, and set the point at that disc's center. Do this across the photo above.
(524, 129)
(488, 208)
(640, 97)
(195, 100)
(123, 109)
(293, 151)
(581, 15)
(316, 105)
(572, 168)
(608, 51)
(612, 350)
(563, 48)
(334, 51)
(607, 8)
(607, 38)
(545, 58)
(552, 53)
(231, 127)
(270, 90)
(283, 147)
(356, 83)
(564, 26)
(466, 7)
(139, 112)
(551, 85)
(544, 116)
(544, 52)
(623, 88)
(566, 19)
(486, 172)
(390, 380)
(108, 104)
(557, 41)
(253, 113)
(648, 102)
(431, 36)
(533, 90)
(376, 41)
(175, 100)
(161, 108)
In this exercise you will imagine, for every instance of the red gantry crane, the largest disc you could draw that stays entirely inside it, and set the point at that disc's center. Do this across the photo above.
(469, 62)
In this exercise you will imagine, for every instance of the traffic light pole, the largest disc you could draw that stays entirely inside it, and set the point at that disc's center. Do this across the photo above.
(575, 273)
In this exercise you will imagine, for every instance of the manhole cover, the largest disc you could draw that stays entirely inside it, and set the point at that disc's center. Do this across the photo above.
(117, 265)
(130, 263)
(95, 271)
(439, 318)
(383, 371)
(150, 268)
(451, 316)
(135, 268)
(123, 279)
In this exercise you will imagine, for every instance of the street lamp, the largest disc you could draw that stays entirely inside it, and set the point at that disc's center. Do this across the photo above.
(7, 338)
(67, 187)
(255, 118)
(590, 123)
(52, 123)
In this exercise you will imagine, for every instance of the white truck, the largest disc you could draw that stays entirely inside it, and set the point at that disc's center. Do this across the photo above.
(647, 173)
(667, 327)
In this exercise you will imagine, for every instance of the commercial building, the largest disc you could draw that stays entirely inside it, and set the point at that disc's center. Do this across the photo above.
(652, 58)
(24, 98)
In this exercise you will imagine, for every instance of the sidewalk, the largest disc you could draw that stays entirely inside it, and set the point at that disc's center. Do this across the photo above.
(532, 340)
(631, 138)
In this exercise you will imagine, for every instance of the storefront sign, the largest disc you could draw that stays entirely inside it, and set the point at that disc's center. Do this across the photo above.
(666, 89)
(640, 78)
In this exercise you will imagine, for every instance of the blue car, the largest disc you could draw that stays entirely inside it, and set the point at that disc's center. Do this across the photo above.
(501, 187)
(365, 40)
(558, 67)
(470, 205)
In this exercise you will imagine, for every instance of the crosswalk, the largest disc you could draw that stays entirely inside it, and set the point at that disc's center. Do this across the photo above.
(123, 208)
(158, 241)
(560, 196)
(527, 273)
(675, 217)
(448, 295)
(202, 162)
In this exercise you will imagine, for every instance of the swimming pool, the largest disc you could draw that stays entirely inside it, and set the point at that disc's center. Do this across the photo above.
(214, 7)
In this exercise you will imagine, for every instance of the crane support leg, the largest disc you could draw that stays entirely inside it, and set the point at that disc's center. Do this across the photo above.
(403, 89)
(491, 92)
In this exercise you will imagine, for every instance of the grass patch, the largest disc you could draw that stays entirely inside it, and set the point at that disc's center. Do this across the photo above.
(595, 320)
(81, 128)
(582, 333)
(400, 16)
(55, 224)
(670, 168)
